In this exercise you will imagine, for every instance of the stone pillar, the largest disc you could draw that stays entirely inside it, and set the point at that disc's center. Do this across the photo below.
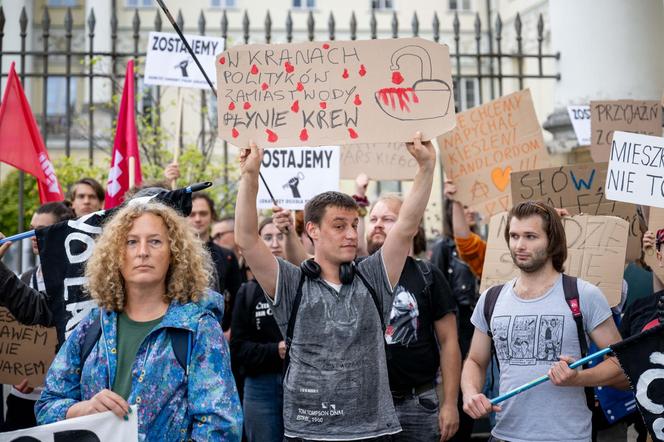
(609, 50)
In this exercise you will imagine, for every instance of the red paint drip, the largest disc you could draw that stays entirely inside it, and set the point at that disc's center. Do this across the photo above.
(323, 105)
(300, 86)
(357, 100)
(326, 46)
(387, 96)
(362, 71)
(345, 74)
(304, 135)
(271, 136)
(289, 67)
(352, 133)
(397, 78)
(254, 69)
(264, 86)
(222, 60)
(235, 133)
(231, 106)
(295, 107)
(247, 105)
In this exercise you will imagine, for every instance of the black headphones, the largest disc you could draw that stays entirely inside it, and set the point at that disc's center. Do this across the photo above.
(312, 270)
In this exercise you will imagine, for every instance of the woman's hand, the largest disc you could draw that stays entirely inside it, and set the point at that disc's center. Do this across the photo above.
(105, 400)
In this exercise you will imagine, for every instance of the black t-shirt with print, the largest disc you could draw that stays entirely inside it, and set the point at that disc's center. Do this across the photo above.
(412, 350)
(640, 313)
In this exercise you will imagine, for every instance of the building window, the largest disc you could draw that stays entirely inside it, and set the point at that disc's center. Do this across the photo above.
(139, 3)
(459, 5)
(56, 103)
(466, 93)
(62, 3)
(223, 3)
(382, 4)
(304, 4)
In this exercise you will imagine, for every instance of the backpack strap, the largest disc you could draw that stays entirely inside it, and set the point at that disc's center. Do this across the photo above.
(489, 306)
(181, 342)
(92, 335)
(292, 319)
(374, 296)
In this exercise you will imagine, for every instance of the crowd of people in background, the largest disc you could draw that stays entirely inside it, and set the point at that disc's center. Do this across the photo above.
(332, 323)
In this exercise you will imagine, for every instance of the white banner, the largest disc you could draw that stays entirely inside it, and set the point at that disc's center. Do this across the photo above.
(636, 169)
(102, 427)
(297, 174)
(580, 117)
(168, 62)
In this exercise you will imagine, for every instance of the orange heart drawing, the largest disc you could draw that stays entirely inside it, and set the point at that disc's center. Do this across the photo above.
(501, 177)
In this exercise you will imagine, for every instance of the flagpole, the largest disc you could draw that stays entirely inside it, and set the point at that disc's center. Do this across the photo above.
(541, 379)
(18, 237)
(163, 7)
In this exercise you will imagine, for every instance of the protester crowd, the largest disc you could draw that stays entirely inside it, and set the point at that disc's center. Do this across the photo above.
(334, 323)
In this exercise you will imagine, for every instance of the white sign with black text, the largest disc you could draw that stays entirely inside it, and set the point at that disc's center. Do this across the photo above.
(580, 117)
(168, 63)
(297, 174)
(636, 169)
(103, 427)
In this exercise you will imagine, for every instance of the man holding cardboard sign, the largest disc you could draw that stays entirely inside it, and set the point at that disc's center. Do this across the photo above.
(336, 385)
(536, 324)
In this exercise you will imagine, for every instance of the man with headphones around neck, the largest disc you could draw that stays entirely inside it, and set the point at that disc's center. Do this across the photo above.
(336, 386)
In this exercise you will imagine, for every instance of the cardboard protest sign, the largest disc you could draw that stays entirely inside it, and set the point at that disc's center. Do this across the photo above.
(595, 253)
(580, 118)
(636, 169)
(385, 161)
(168, 63)
(297, 174)
(490, 142)
(642, 117)
(339, 92)
(25, 351)
(655, 223)
(103, 427)
(579, 188)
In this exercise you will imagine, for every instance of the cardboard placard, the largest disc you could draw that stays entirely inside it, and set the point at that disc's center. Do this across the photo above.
(337, 92)
(168, 63)
(25, 351)
(580, 118)
(297, 174)
(655, 223)
(636, 169)
(106, 427)
(490, 142)
(595, 253)
(579, 188)
(385, 161)
(643, 117)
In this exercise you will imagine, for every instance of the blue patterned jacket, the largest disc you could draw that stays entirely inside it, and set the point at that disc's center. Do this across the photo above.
(201, 406)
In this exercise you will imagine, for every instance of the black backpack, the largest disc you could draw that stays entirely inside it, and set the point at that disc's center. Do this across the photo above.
(571, 291)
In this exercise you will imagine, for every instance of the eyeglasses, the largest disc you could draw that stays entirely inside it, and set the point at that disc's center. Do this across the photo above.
(220, 235)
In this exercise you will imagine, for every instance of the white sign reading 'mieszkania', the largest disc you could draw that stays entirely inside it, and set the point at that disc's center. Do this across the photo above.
(297, 174)
(636, 169)
(168, 63)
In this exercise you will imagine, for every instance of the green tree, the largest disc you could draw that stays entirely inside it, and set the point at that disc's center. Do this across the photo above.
(9, 202)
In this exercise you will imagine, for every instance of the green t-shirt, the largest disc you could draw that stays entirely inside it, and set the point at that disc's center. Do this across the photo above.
(130, 337)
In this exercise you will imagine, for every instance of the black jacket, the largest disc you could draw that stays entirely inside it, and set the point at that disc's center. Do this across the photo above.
(228, 280)
(27, 305)
(255, 335)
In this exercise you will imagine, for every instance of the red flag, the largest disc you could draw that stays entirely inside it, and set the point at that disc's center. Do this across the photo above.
(21, 144)
(125, 160)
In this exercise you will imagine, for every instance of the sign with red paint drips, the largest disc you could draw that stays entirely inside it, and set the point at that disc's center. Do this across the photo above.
(297, 174)
(337, 92)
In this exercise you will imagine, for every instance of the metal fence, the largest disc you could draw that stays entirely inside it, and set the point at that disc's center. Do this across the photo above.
(68, 52)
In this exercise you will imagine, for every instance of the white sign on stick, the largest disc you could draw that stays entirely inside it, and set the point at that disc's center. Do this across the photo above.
(580, 117)
(297, 174)
(105, 427)
(636, 169)
(168, 63)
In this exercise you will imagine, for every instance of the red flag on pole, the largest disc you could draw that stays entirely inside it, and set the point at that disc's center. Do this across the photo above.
(125, 169)
(21, 144)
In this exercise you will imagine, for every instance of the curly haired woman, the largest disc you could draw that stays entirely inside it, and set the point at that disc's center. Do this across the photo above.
(149, 275)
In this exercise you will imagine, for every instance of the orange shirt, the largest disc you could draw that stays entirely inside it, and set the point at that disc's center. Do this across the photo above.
(472, 250)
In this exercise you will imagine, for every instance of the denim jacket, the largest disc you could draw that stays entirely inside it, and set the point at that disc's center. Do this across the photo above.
(172, 405)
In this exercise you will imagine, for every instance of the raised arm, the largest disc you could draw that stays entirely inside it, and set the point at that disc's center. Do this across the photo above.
(399, 241)
(460, 226)
(261, 262)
